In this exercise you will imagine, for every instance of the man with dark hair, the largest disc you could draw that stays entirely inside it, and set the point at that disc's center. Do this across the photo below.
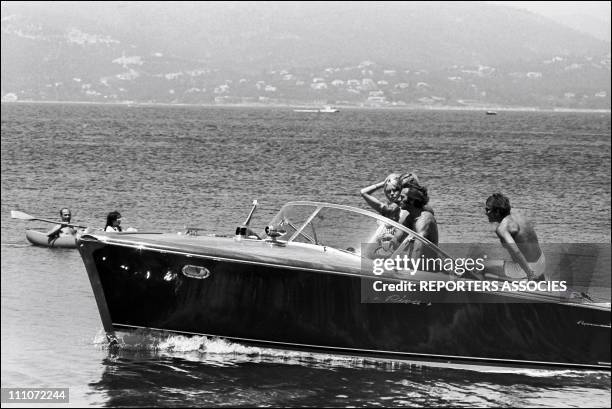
(420, 217)
(518, 237)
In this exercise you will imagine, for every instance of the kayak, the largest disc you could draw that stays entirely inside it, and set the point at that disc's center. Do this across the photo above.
(38, 237)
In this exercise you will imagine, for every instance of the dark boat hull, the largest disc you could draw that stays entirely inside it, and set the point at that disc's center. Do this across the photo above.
(309, 309)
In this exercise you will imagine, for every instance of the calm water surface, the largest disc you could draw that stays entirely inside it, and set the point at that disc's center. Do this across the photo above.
(167, 167)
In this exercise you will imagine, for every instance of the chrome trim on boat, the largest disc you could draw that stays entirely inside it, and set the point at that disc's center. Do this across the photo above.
(589, 324)
(198, 272)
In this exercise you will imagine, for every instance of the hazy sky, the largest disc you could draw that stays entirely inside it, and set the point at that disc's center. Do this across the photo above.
(593, 8)
(591, 17)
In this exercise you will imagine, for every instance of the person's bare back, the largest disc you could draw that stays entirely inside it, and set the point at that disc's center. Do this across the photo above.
(518, 237)
(523, 234)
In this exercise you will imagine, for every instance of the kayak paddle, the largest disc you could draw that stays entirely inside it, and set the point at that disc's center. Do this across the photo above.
(15, 214)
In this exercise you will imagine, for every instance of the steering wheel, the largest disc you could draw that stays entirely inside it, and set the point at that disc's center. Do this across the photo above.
(473, 274)
(386, 245)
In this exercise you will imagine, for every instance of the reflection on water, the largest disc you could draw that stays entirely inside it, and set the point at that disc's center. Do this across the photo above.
(150, 368)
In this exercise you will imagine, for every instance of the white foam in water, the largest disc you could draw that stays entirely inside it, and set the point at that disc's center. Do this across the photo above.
(218, 349)
(532, 372)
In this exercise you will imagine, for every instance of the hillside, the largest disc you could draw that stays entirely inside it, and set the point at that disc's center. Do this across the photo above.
(375, 54)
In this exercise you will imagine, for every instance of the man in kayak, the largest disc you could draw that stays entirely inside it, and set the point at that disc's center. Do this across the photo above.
(518, 237)
(62, 229)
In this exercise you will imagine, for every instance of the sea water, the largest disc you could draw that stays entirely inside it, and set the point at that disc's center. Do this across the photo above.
(167, 167)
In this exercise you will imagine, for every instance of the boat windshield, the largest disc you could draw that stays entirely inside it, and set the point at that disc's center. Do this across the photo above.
(346, 228)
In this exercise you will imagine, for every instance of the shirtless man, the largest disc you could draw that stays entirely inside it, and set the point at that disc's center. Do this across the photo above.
(62, 229)
(420, 217)
(518, 237)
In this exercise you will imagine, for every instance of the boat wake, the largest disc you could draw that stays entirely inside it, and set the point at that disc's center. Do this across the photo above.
(143, 340)
(219, 351)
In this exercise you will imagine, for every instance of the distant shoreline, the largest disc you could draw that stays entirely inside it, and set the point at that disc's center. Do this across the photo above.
(347, 107)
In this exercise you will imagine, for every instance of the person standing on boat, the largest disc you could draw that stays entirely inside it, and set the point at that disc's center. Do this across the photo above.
(518, 237)
(62, 229)
(113, 222)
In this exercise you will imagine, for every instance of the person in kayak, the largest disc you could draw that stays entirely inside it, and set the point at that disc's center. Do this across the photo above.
(62, 229)
(113, 222)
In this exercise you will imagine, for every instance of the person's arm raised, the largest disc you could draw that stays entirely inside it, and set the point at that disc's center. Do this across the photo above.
(366, 193)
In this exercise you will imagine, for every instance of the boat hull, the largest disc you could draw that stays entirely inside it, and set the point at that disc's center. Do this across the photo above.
(309, 309)
(38, 237)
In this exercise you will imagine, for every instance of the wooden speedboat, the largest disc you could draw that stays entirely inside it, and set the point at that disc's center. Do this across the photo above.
(303, 288)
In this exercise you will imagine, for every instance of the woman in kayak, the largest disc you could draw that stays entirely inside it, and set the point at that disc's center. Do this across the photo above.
(113, 222)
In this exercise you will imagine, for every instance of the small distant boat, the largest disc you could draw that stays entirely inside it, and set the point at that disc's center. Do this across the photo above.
(325, 110)
(491, 113)
(38, 237)
(328, 109)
